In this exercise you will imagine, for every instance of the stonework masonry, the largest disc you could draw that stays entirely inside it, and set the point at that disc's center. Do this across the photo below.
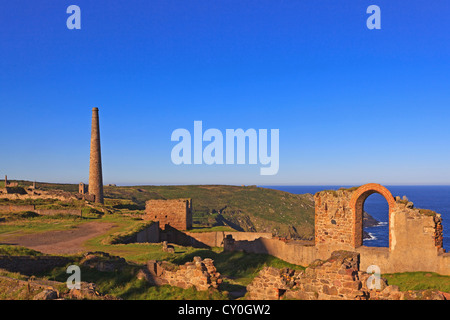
(43, 212)
(199, 273)
(216, 238)
(20, 193)
(82, 188)
(95, 163)
(176, 213)
(16, 208)
(336, 278)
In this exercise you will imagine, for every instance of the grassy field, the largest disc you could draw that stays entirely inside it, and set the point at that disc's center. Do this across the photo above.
(419, 281)
(29, 223)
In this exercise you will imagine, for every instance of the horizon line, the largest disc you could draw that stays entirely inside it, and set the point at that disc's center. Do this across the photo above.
(128, 184)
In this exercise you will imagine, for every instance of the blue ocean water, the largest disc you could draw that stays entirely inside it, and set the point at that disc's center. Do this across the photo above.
(436, 198)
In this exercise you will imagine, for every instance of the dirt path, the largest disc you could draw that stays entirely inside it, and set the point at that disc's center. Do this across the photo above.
(61, 241)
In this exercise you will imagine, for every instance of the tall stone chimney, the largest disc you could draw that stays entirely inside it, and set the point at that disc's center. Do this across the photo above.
(95, 164)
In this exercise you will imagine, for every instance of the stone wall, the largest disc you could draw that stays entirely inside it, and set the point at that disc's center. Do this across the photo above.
(31, 193)
(200, 274)
(296, 252)
(175, 213)
(333, 219)
(337, 278)
(150, 234)
(52, 212)
(44, 212)
(211, 239)
(416, 243)
(16, 208)
(193, 239)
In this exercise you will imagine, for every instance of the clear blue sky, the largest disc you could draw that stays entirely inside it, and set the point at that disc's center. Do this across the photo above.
(352, 105)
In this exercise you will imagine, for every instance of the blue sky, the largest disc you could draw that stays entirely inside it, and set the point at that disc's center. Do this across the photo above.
(352, 105)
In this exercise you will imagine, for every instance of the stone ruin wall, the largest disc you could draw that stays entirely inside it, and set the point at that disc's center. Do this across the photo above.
(333, 219)
(337, 278)
(29, 193)
(415, 235)
(216, 238)
(16, 208)
(295, 252)
(43, 212)
(175, 213)
(20, 193)
(201, 274)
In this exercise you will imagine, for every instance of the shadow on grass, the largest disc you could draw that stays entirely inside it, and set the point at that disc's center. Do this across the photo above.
(129, 206)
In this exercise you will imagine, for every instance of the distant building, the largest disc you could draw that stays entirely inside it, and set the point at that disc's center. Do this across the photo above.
(82, 188)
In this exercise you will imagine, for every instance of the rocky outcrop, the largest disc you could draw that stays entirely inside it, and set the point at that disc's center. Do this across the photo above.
(41, 289)
(47, 294)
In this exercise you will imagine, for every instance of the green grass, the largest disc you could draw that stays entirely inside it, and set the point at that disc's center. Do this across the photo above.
(9, 250)
(419, 281)
(427, 212)
(26, 224)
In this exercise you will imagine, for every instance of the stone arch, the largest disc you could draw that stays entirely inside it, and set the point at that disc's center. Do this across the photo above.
(357, 200)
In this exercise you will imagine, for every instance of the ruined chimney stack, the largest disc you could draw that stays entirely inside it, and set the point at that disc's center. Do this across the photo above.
(95, 164)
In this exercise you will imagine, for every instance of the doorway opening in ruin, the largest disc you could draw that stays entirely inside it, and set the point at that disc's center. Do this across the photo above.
(357, 202)
(376, 221)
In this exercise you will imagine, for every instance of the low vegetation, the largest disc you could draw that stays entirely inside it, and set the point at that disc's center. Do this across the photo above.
(419, 281)
(8, 250)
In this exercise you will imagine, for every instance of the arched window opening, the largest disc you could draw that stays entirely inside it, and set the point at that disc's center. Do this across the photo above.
(376, 221)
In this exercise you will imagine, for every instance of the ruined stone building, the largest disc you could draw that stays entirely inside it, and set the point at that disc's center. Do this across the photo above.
(176, 213)
(415, 235)
(82, 188)
(10, 184)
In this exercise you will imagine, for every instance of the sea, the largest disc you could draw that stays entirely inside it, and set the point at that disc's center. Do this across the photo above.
(436, 198)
